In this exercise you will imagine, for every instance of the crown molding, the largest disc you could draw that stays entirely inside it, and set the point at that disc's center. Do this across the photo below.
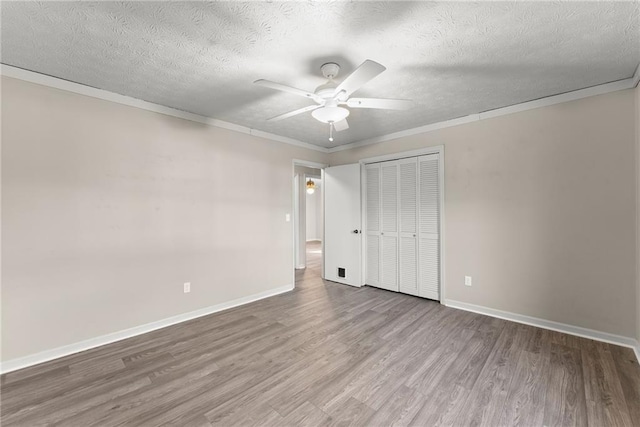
(503, 111)
(69, 86)
(55, 82)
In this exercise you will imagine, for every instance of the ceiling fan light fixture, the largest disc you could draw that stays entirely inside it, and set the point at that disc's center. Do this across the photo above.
(330, 114)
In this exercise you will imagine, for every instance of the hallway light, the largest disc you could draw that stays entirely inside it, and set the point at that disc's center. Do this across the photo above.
(311, 186)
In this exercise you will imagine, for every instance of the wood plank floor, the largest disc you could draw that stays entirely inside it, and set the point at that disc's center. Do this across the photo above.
(332, 355)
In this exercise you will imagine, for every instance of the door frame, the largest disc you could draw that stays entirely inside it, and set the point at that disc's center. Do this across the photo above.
(436, 149)
(295, 202)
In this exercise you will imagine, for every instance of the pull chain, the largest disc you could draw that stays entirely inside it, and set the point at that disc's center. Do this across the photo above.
(331, 131)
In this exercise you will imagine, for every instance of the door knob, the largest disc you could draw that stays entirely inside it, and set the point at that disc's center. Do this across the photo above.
(356, 231)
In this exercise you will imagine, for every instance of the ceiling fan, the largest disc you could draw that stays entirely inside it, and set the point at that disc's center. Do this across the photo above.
(331, 97)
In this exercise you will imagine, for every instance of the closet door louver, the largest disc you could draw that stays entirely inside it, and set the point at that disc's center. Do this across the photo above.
(408, 223)
(372, 177)
(389, 226)
(429, 227)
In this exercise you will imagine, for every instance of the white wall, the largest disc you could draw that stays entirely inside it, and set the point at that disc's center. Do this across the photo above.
(314, 213)
(108, 209)
(540, 209)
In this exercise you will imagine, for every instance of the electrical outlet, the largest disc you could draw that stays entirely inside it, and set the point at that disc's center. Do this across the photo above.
(467, 280)
(187, 288)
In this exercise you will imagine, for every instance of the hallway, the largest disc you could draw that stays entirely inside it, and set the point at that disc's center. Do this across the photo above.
(313, 268)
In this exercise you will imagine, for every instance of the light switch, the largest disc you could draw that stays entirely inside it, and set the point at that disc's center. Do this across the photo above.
(287, 218)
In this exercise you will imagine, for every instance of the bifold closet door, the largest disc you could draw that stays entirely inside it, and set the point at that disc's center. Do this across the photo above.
(408, 224)
(372, 179)
(429, 227)
(389, 226)
(403, 225)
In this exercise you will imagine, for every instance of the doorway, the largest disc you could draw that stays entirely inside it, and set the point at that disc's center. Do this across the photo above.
(314, 225)
(308, 220)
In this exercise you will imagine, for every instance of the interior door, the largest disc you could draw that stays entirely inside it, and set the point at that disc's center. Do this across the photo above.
(342, 225)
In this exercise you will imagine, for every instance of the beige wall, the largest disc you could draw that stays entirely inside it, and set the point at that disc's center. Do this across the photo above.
(540, 211)
(108, 209)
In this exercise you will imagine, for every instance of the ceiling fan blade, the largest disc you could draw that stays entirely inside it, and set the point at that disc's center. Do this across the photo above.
(289, 89)
(293, 113)
(363, 74)
(384, 104)
(341, 125)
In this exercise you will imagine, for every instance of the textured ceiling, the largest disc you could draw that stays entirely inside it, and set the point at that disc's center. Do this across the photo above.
(453, 59)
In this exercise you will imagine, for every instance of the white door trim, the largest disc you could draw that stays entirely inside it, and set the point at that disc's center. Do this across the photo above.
(436, 149)
(297, 264)
(309, 164)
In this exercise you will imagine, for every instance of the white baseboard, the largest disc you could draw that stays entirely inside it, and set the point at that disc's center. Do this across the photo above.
(45, 356)
(300, 267)
(549, 324)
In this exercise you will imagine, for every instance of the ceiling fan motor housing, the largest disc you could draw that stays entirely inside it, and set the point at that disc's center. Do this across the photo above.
(326, 90)
(330, 70)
